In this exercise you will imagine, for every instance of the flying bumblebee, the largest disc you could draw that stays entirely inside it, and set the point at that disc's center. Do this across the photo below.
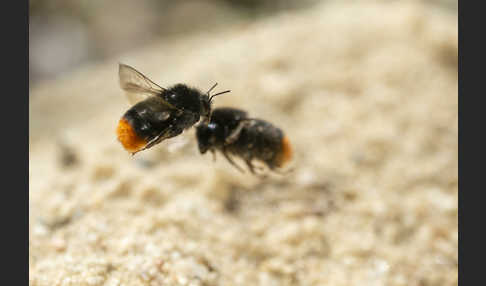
(231, 131)
(158, 113)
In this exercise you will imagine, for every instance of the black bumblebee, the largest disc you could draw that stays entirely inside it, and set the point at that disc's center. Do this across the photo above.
(231, 131)
(158, 113)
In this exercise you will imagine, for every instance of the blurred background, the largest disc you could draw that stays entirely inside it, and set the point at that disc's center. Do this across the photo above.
(66, 34)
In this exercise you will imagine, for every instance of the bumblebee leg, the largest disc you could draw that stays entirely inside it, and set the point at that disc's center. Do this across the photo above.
(273, 168)
(173, 131)
(253, 168)
(250, 166)
(151, 143)
(157, 139)
(231, 161)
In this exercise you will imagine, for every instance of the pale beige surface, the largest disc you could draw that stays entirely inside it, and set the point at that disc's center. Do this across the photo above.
(368, 96)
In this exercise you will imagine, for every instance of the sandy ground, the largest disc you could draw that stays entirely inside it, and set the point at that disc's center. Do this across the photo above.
(366, 92)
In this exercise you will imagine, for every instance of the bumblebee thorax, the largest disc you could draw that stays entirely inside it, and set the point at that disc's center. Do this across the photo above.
(183, 97)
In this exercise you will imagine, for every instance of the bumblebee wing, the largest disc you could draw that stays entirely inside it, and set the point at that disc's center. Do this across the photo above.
(137, 86)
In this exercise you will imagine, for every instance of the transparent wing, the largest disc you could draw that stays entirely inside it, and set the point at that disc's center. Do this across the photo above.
(137, 86)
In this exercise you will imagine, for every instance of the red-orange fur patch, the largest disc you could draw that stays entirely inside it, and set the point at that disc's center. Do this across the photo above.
(286, 154)
(128, 138)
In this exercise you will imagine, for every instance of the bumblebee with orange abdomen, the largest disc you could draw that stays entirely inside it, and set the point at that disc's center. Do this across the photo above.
(158, 113)
(232, 132)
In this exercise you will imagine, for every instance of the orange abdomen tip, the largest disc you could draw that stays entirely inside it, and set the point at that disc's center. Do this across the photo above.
(128, 138)
(286, 154)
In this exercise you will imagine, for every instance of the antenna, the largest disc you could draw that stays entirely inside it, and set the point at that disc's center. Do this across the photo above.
(219, 93)
(212, 88)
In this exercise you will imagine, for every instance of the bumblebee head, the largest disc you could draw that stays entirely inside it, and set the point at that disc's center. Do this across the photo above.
(206, 135)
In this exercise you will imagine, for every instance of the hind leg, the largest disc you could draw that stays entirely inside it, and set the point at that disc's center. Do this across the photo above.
(231, 161)
(275, 169)
(157, 139)
(250, 166)
(253, 169)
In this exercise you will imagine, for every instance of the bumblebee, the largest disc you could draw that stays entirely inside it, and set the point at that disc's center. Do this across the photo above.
(158, 113)
(232, 132)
